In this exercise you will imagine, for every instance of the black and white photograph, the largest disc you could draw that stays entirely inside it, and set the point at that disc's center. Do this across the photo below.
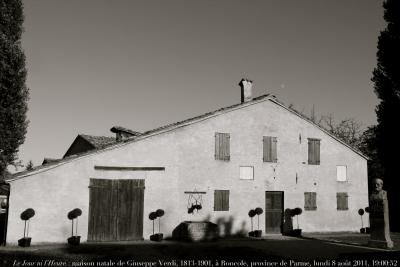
(213, 133)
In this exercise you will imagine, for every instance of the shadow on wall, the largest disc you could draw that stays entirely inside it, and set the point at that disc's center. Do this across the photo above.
(288, 222)
(225, 226)
(206, 231)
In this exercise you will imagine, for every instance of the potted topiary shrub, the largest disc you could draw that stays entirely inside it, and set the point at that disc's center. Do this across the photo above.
(74, 240)
(158, 236)
(361, 213)
(252, 213)
(26, 215)
(296, 212)
(152, 217)
(258, 232)
(367, 229)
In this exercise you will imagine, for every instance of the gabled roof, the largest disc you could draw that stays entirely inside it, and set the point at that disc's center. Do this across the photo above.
(184, 123)
(98, 142)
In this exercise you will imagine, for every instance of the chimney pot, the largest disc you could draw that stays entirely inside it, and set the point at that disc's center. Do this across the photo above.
(246, 88)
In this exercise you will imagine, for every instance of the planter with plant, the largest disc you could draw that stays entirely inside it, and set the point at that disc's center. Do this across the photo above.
(361, 213)
(367, 229)
(152, 216)
(251, 213)
(296, 212)
(74, 240)
(26, 215)
(258, 211)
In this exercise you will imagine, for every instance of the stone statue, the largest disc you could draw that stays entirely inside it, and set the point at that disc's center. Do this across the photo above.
(379, 216)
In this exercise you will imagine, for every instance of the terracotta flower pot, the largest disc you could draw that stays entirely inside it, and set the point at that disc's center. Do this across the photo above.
(74, 240)
(296, 232)
(157, 237)
(362, 230)
(257, 233)
(24, 242)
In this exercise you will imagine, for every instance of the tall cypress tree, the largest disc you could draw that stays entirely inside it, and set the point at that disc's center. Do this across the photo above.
(386, 77)
(13, 91)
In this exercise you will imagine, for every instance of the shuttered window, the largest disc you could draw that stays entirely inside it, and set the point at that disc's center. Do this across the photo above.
(222, 146)
(310, 201)
(313, 151)
(270, 149)
(221, 200)
(341, 173)
(342, 201)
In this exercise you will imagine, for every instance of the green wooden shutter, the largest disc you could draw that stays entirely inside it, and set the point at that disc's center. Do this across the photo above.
(227, 154)
(217, 200)
(222, 146)
(307, 199)
(266, 148)
(274, 155)
(310, 200)
(317, 151)
(270, 149)
(217, 150)
(310, 151)
(313, 200)
(221, 200)
(342, 201)
(313, 151)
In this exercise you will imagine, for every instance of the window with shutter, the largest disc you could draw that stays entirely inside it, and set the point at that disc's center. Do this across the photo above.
(310, 200)
(342, 201)
(314, 151)
(270, 149)
(341, 173)
(221, 200)
(222, 146)
(246, 172)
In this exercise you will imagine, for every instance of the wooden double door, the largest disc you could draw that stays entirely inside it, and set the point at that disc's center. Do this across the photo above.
(115, 210)
(273, 212)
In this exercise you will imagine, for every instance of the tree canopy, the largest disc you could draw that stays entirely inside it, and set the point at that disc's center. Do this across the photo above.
(13, 91)
(386, 78)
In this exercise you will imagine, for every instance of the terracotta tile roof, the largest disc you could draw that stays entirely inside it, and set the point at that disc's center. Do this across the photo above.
(99, 142)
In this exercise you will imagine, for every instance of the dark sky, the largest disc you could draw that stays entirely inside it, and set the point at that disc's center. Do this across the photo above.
(94, 64)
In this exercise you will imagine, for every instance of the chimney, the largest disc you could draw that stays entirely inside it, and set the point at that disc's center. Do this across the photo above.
(245, 88)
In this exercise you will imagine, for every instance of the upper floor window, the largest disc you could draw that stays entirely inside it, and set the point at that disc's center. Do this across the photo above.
(222, 146)
(246, 172)
(310, 201)
(341, 173)
(270, 149)
(313, 151)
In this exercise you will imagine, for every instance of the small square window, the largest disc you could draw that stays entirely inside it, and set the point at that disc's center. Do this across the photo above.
(341, 173)
(246, 172)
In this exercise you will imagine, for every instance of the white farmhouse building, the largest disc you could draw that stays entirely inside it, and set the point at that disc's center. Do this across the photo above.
(258, 153)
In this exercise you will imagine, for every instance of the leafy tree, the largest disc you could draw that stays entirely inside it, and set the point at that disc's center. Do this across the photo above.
(13, 91)
(368, 144)
(386, 78)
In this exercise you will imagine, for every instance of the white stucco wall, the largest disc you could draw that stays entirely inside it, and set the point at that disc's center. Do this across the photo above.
(187, 153)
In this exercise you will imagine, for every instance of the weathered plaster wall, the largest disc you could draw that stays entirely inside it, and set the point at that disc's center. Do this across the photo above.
(187, 154)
